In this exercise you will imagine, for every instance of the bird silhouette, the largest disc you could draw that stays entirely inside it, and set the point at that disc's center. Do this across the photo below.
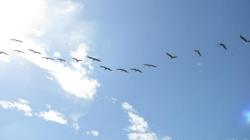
(122, 70)
(106, 68)
(61, 60)
(48, 58)
(222, 45)
(3, 53)
(35, 52)
(171, 56)
(244, 39)
(136, 70)
(94, 59)
(18, 51)
(198, 52)
(16, 40)
(77, 60)
(150, 65)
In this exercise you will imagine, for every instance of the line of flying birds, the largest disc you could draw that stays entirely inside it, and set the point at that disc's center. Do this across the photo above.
(171, 56)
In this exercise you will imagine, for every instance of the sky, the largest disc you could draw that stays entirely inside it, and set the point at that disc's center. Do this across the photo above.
(187, 98)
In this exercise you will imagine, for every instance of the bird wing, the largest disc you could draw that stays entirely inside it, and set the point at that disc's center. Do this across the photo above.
(168, 54)
(243, 38)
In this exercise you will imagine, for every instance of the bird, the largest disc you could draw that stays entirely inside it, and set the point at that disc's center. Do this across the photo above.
(61, 60)
(198, 52)
(16, 40)
(244, 39)
(171, 56)
(150, 65)
(3, 53)
(18, 51)
(94, 59)
(106, 68)
(136, 70)
(222, 45)
(122, 70)
(35, 52)
(48, 58)
(77, 60)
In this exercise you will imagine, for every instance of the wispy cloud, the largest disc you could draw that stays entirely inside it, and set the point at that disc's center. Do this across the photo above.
(93, 133)
(53, 116)
(23, 106)
(20, 105)
(139, 128)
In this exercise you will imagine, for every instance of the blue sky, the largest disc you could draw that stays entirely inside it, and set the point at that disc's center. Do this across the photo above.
(189, 98)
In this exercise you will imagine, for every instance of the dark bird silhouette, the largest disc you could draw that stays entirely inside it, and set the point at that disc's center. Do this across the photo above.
(3, 53)
(136, 70)
(150, 65)
(94, 59)
(122, 70)
(222, 45)
(244, 39)
(61, 60)
(171, 56)
(106, 68)
(18, 51)
(35, 52)
(77, 60)
(198, 52)
(16, 40)
(48, 58)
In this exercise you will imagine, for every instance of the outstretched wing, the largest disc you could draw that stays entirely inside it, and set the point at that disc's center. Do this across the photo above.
(198, 52)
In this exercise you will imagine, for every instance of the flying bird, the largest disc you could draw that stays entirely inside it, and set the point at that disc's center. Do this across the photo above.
(222, 45)
(18, 51)
(150, 65)
(198, 52)
(48, 58)
(77, 60)
(61, 60)
(136, 70)
(106, 68)
(122, 70)
(171, 56)
(94, 59)
(35, 52)
(244, 39)
(16, 40)
(4, 53)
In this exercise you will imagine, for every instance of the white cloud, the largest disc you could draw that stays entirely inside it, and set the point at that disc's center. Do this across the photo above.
(139, 128)
(40, 25)
(53, 116)
(67, 7)
(72, 77)
(21, 105)
(93, 133)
